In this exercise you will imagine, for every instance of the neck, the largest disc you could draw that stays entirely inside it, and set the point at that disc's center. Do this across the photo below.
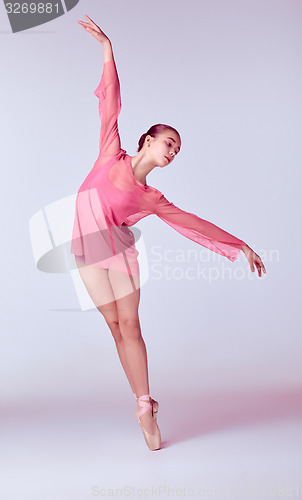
(141, 166)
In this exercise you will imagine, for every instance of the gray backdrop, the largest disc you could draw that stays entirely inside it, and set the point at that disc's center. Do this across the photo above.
(227, 75)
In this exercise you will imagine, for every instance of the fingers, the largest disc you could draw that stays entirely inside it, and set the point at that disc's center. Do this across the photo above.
(258, 262)
(90, 19)
(95, 26)
(257, 267)
(90, 27)
(85, 25)
(260, 266)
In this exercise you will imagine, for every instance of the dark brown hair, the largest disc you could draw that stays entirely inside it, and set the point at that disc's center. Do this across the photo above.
(154, 131)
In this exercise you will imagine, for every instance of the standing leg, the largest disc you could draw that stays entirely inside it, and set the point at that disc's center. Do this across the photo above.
(127, 302)
(113, 295)
(98, 286)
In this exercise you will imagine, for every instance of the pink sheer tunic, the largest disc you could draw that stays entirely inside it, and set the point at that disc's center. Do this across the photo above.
(111, 199)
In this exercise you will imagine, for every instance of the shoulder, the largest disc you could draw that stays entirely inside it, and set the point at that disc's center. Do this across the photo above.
(122, 153)
(158, 199)
(154, 193)
(159, 195)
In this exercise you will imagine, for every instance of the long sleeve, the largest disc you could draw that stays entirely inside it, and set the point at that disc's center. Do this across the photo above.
(108, 93)
(199, 230)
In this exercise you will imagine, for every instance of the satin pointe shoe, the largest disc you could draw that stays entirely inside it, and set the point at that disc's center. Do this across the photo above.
(146, 403)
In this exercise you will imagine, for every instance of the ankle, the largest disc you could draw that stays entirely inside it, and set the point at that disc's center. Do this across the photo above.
(143, 396)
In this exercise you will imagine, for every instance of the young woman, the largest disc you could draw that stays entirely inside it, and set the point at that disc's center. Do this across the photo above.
(113, 196)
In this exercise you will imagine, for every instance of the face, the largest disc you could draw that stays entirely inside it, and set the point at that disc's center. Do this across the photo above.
(165, 145)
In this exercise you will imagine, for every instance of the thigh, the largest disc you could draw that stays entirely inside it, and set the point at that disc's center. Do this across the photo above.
(98, 286)
(126, 289)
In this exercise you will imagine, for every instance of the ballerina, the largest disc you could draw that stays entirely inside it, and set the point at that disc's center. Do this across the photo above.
(114, 196)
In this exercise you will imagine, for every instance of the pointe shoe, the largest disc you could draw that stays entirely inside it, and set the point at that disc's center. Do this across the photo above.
(145, 403)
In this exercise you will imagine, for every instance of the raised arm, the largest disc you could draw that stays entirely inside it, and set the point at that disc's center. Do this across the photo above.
(108, 93)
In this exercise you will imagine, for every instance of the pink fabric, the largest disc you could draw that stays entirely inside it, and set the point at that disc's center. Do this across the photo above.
(111, 199)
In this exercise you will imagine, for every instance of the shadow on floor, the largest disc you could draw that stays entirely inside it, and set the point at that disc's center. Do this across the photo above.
(184, 417)
(181, 416)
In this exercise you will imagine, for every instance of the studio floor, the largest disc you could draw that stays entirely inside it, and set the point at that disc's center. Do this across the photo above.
(216, 444)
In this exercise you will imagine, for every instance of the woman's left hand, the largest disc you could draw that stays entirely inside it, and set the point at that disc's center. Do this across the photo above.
(94, 30)
(253, 259)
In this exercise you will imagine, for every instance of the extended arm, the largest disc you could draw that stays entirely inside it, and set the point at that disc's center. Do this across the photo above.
(206, 234)
(199, 230)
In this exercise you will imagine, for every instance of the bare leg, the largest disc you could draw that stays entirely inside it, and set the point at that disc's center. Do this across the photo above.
(127, 302)
(108, 290)
(98, 286)
(134, 348)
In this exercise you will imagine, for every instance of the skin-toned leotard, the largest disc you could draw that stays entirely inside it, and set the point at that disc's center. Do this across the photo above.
(111, 199)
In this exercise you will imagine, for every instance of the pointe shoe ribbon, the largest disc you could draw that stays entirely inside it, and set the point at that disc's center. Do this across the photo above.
(145, 405)
(154, 408)
(153, 440)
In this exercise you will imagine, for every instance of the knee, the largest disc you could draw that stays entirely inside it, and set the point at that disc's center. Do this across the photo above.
(130, 328)
(115, 330)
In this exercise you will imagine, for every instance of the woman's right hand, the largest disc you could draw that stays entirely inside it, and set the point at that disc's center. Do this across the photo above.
(92, 28)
